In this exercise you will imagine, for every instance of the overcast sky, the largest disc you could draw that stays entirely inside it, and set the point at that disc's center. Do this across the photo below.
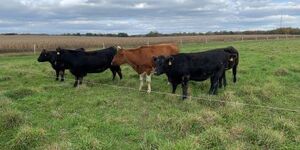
(142, 16)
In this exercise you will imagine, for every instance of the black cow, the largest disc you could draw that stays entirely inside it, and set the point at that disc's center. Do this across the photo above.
(81, 63)
(199, 66)
(51, 56)
(232, 63)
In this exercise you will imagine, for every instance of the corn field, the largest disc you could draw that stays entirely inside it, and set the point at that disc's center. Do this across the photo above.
(29, 43)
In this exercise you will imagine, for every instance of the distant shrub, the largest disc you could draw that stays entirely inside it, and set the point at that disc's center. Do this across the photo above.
(28, 138)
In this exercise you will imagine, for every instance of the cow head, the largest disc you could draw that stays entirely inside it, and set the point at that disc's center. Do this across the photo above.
(120, 57)
(162, 63)
(45, 56)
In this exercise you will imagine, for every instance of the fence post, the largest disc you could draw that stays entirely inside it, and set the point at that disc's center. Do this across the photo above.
(286, 36)
(242, 37)
(267, 37)
(103, 45)
(277, 37)
(34, 48)
(181, 43)
(206, 39)
(148, 43)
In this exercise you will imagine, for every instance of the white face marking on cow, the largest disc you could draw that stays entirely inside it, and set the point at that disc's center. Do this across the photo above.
(58, 53)
(170, 63)
(231, 59)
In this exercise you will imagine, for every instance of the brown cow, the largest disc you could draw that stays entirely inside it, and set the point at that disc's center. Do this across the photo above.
(141, 59)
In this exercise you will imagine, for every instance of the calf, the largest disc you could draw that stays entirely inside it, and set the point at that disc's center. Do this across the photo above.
(199, 66)
(140, 59)
(51, 56)
(81, 63)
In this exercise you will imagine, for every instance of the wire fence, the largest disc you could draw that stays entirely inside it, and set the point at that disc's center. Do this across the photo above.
(208, 98)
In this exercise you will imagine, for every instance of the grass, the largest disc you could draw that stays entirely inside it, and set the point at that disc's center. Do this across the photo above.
(40, 113)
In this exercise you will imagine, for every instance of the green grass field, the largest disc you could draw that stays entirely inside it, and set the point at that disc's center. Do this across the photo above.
(37, 112)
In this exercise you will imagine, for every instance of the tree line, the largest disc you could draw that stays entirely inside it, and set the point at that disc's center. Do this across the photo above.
(288, 30)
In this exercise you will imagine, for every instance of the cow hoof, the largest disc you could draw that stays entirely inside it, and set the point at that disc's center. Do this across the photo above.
(148, 91)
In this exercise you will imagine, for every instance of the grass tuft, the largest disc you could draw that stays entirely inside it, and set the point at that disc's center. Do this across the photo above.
(281, 72)
(19, 93)
(195, 123)
(287, 125)
(88, 143)
(28, 138)
(214, 138)
(11, 118)
(270, 139)
(5, 78)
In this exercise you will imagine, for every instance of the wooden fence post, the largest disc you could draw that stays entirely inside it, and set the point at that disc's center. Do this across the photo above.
(34, 49)
(103, 45)
(181, 42)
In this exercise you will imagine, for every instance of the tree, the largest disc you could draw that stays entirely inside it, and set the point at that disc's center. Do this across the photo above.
(122, 34)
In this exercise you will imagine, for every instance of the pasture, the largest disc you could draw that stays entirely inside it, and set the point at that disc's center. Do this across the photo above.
(38, 112)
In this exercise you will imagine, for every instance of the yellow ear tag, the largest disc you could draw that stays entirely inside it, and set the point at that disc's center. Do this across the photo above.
(58, 53)
(231, 59)
(170, 63)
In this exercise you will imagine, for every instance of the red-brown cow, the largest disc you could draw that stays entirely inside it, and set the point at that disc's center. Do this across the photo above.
(141, 59)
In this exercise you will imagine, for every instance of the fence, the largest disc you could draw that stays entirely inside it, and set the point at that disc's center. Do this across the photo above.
(33, 44)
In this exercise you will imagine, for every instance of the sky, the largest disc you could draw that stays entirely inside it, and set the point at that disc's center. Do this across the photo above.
(143, 16)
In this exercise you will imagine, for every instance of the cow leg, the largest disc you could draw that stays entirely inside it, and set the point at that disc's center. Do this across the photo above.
(141, 81)
(215, 81)
(112, 69)
(80, 80)
(224, 79)
(174, 87)
(184, 85)
(211, 85)
(220, 82)
(76, 81)
(148, 80)
(119, 72)
(62, 75)
(57, 75)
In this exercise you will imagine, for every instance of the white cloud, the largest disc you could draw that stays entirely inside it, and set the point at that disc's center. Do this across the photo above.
(135, 16)
(141, 5)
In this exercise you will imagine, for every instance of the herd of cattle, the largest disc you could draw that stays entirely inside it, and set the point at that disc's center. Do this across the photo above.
(147, 60)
